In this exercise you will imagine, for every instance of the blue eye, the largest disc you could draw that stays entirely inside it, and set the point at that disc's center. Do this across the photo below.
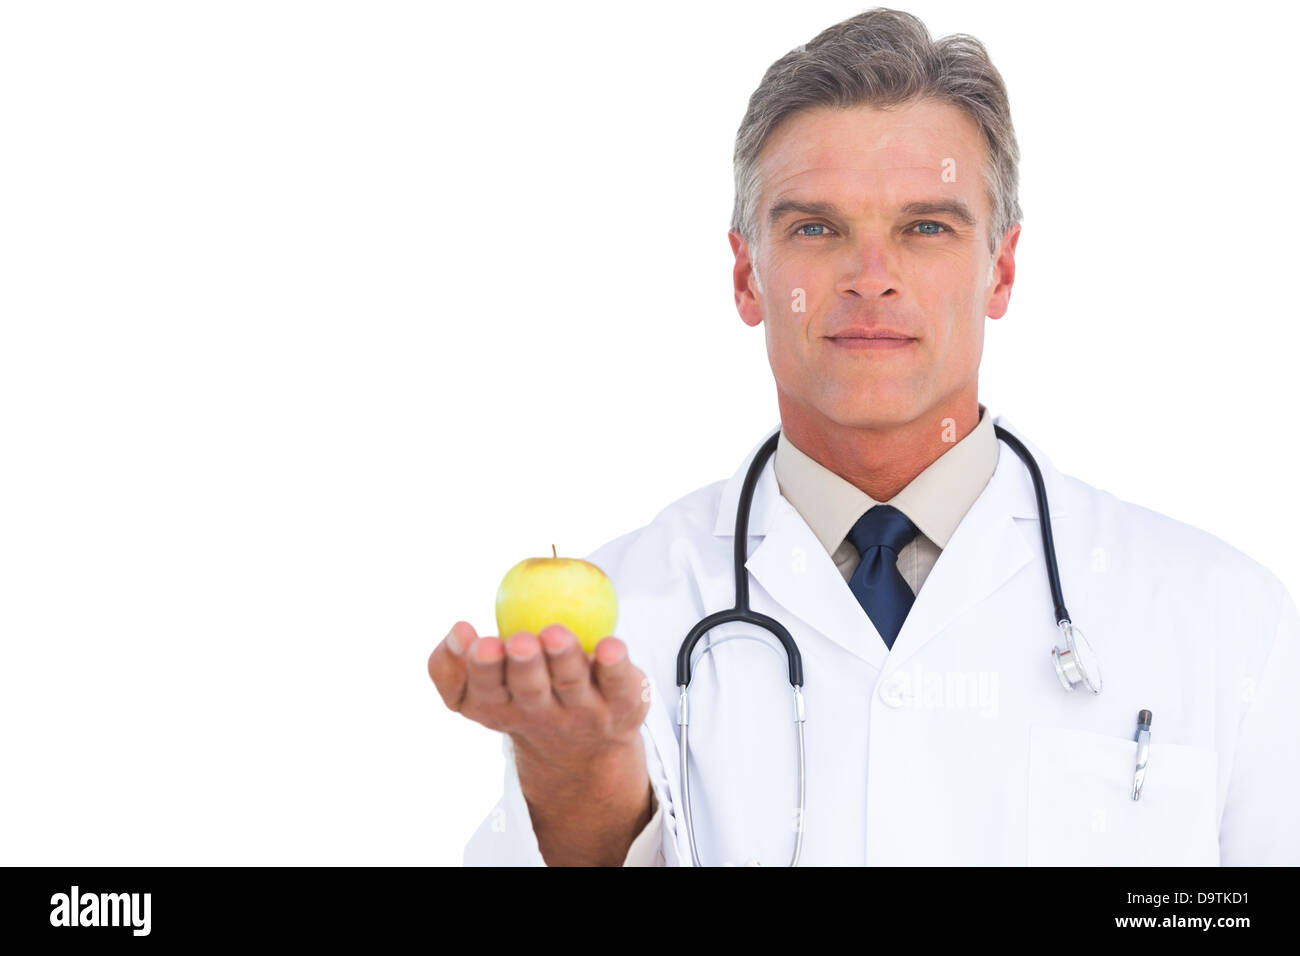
(931, 222)
(810, 225)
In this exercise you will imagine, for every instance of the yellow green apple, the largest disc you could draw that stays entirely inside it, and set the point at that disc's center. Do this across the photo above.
(539, 592)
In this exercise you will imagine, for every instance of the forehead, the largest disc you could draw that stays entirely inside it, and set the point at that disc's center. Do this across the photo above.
(881, 156)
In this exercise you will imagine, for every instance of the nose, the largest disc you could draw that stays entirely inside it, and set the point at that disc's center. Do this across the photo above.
(868, 270)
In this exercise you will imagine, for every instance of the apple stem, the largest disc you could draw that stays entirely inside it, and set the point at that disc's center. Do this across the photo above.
(553, 554)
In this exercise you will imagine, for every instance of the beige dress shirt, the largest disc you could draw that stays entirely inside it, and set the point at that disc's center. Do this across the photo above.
(935, 501)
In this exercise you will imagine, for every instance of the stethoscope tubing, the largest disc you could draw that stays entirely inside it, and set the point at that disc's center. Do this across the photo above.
(742, 613)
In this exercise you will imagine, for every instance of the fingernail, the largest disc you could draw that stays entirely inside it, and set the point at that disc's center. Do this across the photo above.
(553, 643)
(603, 653)
(453, 642)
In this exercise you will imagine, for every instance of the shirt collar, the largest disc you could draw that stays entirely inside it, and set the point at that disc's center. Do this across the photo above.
(935, 500)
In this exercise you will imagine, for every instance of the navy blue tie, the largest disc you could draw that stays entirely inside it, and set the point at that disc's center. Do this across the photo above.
(877, 583)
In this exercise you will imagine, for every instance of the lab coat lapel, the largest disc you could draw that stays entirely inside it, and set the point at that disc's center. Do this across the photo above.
(798, 574)
(986, 550)
(794, 570)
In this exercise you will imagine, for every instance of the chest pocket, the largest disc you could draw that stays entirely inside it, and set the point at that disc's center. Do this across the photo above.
(1081, 813)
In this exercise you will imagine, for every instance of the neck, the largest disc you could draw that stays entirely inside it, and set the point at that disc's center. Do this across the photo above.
(879, 460)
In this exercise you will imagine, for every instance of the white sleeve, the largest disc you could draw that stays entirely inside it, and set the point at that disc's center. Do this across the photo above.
(1260, 826)
(506, 837)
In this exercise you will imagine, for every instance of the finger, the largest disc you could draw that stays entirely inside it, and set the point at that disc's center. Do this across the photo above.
(486, 666)
(569, 667)
(447, 663)
(526, 676)
(617, 678)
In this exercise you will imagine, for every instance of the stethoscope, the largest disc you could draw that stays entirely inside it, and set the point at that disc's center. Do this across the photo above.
(1074, 666)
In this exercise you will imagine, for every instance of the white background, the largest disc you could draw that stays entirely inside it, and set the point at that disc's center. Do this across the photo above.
(317, 317)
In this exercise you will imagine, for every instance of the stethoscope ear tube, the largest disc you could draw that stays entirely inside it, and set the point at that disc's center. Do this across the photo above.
(1076, 664)
(1044, 519)
(741, 612)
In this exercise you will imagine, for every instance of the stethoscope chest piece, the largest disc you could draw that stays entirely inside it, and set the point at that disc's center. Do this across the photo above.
(1077, 664)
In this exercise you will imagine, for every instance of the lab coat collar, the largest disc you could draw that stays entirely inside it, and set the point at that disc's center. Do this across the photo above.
(985, 550)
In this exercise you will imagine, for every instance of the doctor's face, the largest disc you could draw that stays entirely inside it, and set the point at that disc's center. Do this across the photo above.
(873, 221)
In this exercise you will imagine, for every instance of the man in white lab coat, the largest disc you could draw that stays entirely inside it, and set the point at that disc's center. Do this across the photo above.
(898, 538)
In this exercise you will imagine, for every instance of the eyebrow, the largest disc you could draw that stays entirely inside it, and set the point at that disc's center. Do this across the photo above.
(926, 207)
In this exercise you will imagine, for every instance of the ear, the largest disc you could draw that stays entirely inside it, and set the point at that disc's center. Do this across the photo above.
(749, 297)
(1004, 275)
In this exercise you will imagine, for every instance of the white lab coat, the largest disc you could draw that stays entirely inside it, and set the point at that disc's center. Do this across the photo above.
(960, 746)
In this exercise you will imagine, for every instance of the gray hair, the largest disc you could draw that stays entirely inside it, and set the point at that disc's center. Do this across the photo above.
(883, 58)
